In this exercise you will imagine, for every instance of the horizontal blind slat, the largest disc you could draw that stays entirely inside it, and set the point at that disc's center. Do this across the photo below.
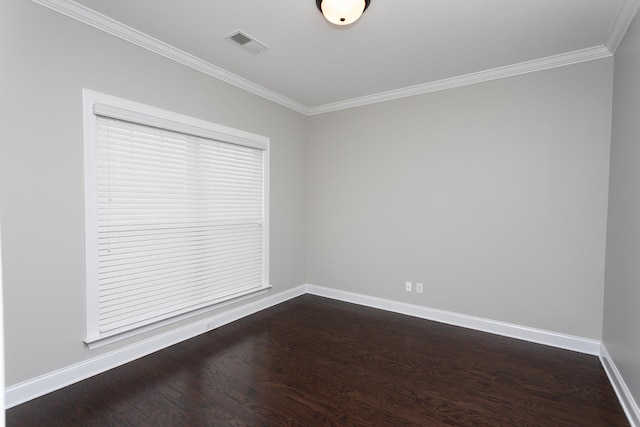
(180, 290)
(133, 294)
(180, 221)
(120, 277)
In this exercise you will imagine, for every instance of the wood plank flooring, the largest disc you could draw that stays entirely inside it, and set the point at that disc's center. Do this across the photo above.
(317, 362)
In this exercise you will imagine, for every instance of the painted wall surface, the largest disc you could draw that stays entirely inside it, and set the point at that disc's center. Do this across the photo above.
(47, 59)
(2, 383)
(494, 196)
(622, 278)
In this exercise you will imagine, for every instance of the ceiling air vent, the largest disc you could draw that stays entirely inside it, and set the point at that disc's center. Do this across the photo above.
(247, 42)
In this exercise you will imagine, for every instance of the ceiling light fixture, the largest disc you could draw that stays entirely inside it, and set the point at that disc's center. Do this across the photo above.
(342, 12)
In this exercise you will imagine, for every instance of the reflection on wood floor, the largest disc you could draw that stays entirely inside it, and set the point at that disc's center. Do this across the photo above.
(313, 361)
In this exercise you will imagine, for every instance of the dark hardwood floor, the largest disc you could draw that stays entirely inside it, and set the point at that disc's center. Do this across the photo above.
(317, 362)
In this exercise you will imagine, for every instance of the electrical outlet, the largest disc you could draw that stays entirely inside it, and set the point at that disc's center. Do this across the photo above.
(419, 288)
(407, 286)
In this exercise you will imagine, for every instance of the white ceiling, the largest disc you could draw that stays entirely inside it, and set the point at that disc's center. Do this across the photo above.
(398, 48)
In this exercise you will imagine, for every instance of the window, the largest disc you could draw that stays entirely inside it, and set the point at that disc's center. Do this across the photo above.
(175, 216)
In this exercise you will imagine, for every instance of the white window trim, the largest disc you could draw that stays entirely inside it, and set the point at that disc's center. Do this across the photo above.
(93, 101)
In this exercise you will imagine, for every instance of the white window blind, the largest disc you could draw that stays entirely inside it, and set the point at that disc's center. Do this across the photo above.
(180, 220)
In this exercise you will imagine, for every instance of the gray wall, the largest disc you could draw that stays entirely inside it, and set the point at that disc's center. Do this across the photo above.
(46, 60)
(494, 196)
(622, 279)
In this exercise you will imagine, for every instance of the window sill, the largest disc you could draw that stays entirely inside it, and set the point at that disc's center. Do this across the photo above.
(98, 342)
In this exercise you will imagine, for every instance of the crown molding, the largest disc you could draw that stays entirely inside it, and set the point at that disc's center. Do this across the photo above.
(626, 13)
(469, 79)
(83, 14)
(124, 32)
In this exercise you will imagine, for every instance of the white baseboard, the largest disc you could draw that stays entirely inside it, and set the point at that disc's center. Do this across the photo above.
(31, 389)
(624, 395)
(554, 339)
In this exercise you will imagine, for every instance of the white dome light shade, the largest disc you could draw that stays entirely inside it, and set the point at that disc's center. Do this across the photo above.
(342, 12)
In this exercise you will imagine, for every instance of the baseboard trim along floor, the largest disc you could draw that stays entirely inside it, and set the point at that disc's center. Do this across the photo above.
(28, 390)
(617, 382)
(568, 342)
(31, 389)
